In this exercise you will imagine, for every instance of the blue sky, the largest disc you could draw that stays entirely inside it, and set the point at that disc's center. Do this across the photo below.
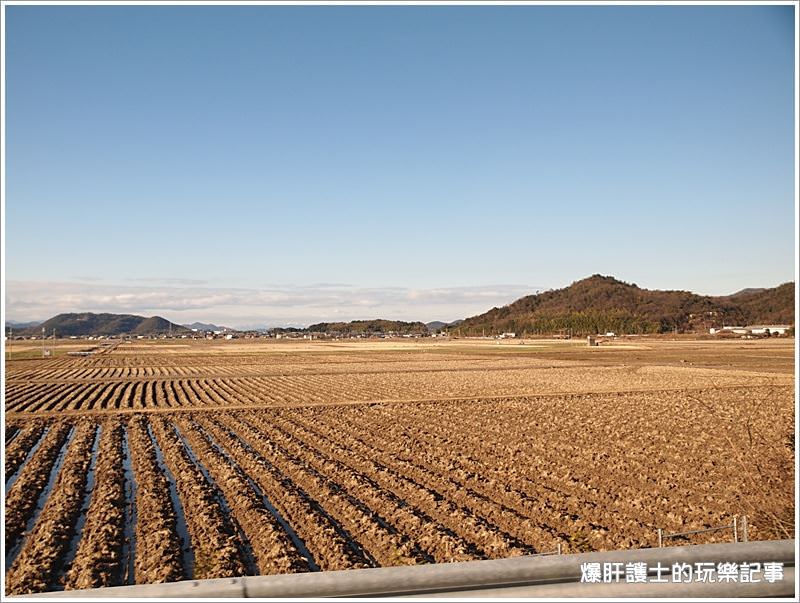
(240, 164)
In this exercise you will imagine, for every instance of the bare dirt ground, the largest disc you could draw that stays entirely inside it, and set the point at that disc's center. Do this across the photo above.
(258, 457)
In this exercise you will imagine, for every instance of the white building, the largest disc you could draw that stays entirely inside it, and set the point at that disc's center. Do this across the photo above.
(753, 330)
(771, 329)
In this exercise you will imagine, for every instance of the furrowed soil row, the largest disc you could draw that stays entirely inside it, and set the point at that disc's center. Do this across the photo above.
(246, 390)
(236, 404)
(161, 395)
(550, 500)
(65, 564)
(127, 566)
(215, 548)
(103, 393)
(158, 554)
(538, 522)
(146, 400)
(27, 497)
(28, 391)
(230, 522)
(136, 399)
(13, 389)
(113, 396)
(365, 529)
(19, 400)
(54, 399)
(431, 541)
(174, 394)
(560, 512)
(489, 539)
(481, 480)
(195, 391)
(239, 393)
(306, 388)
(576, 486)
(126, 399)
(278, 390)
(38, 564)
(492, 539)
(208, 389)
(185, 395)
(36, 401)
(65, 398)
(95, 398)
(97, 560)
(333, 548)
(266, 394)
(21, 448)
(318, 376)
(272, 548)
(307, 562)
(85, 394)
(212, 390)
(109, 396)
(285, 390)
(371, 531)
(12, 431)
(232, 391)
(259, 368)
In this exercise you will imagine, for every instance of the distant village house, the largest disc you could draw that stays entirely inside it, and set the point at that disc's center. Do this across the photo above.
(752, 330)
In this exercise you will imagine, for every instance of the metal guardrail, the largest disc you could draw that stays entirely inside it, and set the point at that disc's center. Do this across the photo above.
(550, 576)
(734, 525)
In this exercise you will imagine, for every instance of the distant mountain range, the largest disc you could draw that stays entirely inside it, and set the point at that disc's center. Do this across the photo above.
(599, 304)
(206, 326)
(22, 325)
(437, 325)
(87, 323)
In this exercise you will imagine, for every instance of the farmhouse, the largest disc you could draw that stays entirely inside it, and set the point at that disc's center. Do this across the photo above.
(737, 330)
(752, 330)
(768, 329)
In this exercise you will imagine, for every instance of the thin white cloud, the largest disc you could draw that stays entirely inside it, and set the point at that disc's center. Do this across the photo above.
(268, 306)
(170, 281)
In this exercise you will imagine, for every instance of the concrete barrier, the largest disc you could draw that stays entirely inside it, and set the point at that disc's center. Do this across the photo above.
(552, 576)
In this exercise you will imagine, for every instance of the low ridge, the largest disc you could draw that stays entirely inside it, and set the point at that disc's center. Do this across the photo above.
(599, 304)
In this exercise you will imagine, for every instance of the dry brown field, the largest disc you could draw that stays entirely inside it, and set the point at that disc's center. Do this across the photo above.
(177, 459)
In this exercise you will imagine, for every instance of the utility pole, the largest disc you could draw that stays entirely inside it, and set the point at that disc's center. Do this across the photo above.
(53, 351)
(10, 342)
(43, 337)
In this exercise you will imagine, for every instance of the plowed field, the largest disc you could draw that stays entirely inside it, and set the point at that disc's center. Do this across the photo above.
(162, 461)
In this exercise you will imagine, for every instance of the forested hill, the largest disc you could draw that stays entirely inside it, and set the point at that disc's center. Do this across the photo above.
(368, 327)
(599, 304)
(88, 323)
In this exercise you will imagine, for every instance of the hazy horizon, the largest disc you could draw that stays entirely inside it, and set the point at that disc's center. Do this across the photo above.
(290, 306)
(294, 164)
(185, 305)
